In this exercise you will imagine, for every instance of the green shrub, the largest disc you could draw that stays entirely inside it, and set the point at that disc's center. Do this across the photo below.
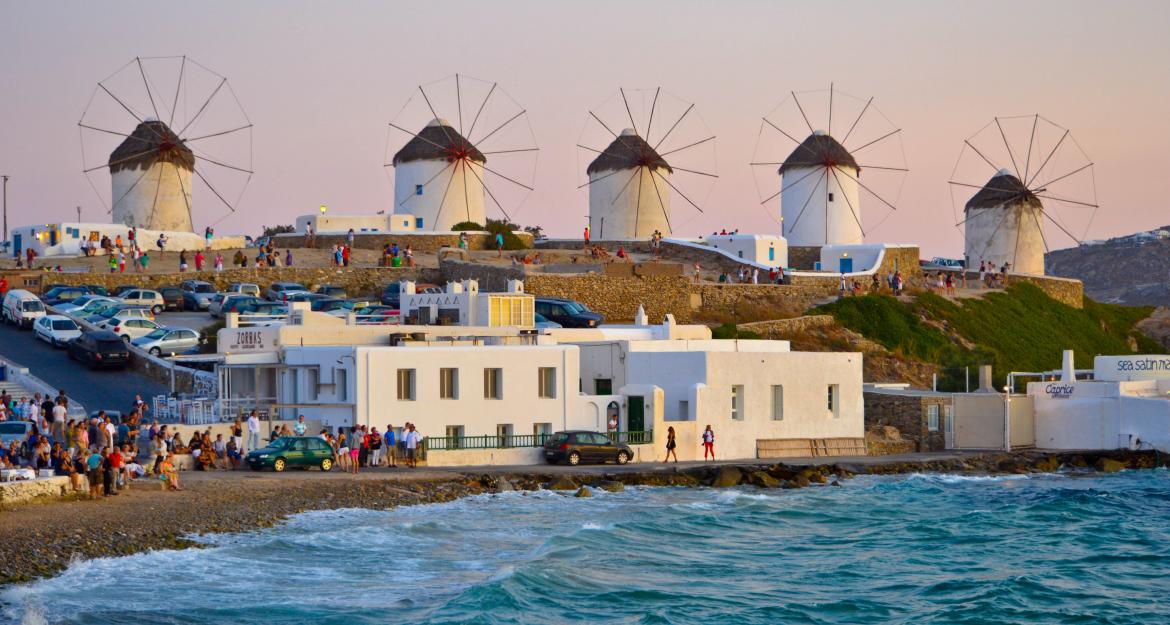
(467, 226)
(730, 331)
(511, 241)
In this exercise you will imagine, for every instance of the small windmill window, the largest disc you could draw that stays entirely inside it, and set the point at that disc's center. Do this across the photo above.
(418, 189)
(830, 196)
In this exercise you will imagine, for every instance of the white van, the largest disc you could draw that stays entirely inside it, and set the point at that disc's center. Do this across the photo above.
(22, 308)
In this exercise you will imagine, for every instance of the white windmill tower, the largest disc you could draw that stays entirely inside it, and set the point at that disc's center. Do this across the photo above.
(448, 171)
(437, 148)
(1003, 219)
(631, 183)
(821, 184)
(205, 140)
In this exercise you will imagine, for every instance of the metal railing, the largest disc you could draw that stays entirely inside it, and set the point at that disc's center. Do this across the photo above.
(496, 441)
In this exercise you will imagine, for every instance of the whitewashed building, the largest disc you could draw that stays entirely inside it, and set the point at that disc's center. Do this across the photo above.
(768, 250)
(438, 179)
(150, 174)
(484, 394)
(462, 303)
(1003, 225)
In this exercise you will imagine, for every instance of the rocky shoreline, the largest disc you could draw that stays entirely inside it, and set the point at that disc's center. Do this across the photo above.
(42, 539)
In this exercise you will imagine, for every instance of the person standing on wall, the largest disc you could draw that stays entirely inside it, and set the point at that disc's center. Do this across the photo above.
(253, 432)
(708, 443)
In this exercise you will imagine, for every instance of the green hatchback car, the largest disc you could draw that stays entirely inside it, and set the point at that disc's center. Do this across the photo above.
(293, 451)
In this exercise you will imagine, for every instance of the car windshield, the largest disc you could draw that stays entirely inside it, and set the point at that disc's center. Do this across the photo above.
(64, 324)
(157, 334)
(204, 288)
(32, 305)
(81, 300)
(13, 427)
(111, 345)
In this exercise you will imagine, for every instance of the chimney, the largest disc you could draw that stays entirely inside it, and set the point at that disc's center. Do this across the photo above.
(985, 383)
(640, 318)
(1067, 372)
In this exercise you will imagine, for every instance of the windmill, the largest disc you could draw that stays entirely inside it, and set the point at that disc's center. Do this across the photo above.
(1038, 172)
(467, 142)
(820, 176)
(161, 126)
(631, 181)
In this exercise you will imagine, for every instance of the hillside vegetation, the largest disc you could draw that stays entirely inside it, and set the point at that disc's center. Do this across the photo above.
(1021, 329)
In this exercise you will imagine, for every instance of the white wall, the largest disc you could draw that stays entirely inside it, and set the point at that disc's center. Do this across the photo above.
(341, 224)
(865, 256)
(159, 199)
(1005, 235)
(809, 218)
(463, 191)
(1101, 415)
(70, 245)
(618, 210)
(763, 249)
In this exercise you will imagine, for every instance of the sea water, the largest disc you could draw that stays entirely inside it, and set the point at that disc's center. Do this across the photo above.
(906, 549)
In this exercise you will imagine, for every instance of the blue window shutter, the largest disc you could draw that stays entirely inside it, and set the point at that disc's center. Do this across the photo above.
(418, 222)
(418, 189)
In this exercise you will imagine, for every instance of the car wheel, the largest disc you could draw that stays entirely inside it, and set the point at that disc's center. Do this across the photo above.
(154, 351)
(623, 457)
(574, 458)
(157, 309)
(56, 343)
(278, 465)
(327, 464)
(126, 338)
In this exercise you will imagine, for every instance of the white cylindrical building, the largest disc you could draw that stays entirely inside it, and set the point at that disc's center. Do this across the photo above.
(819, 203)
(1003, 226)
(150, 177)
(628, 194)
(438, 179)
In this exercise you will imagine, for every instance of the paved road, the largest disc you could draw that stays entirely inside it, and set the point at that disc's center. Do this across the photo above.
(193, 320)
(103, 389)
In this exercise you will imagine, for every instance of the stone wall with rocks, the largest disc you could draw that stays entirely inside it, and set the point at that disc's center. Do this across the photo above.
(419, 242)
(29, 490)
(618, 297)
(756, 301)
(804, 257)
(358, 282)
(907, 413)
(1064, 290)
(787, 327)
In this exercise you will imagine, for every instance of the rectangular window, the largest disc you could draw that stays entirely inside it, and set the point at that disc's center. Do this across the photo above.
(448, 384)
(684, 410)
(834, 400)
(541, 430)
(454, 436)
(418, 222)
(949, 418)
(603, 386)
(777, 402)
(830, 196)
(932, 418)
(406, 384)
(313, 383)
(341, 379)
(547, 382)
(493, 383)
(737, 402)
(504, 434)
(418, 189)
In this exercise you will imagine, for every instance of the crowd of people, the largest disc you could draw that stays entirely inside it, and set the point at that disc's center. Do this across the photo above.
(361, 446)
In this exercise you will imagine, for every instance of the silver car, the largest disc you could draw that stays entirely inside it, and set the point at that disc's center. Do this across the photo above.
(169, 341)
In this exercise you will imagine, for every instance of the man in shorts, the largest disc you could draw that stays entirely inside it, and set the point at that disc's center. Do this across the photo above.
(412, 440)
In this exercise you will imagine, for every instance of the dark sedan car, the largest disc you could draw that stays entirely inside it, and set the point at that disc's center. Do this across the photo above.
(100, 348)
(172, 297)
(197, 294)
(332, 290)
(567, 312)
(63, 295)
(575, 447)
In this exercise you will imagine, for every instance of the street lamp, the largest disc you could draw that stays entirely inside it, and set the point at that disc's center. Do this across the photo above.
(5, 177)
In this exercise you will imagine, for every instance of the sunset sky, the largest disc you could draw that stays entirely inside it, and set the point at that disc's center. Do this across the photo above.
(321, 80)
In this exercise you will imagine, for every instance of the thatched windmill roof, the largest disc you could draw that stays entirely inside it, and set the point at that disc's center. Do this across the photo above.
(819, 150)
(1004, 189)
(151, 142)
(628, 151)
(438, 141)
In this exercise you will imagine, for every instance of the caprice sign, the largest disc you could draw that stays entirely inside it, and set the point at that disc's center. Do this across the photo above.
(1056, 390)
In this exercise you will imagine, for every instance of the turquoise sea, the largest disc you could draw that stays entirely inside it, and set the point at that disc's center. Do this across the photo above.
(905, 549)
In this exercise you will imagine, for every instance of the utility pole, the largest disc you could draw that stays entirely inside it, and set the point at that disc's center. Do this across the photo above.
(78, 214)
(5, 177)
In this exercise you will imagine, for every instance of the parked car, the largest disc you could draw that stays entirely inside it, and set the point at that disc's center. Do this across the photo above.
(329, 305)
(939, 263)
(122, 288)
(332, 290)
(542, 323)
(63, 295)
(97, 290)
(292, 451)
(145, 297)
(96, 314)
(277, 291)
(305, 297)
(130, 329)
(14, 431)
(221, 303)
(567, 312)
(392, 294)
(100, 348)
(245, 288)
(121, 312)
(56, 330)
(79, 303)
(172, 297)
(577, 446)
(22, 308)
(262, 307)
(377, 315)
(169, 341)
(92, 306)
(240, 304)
(197, 294)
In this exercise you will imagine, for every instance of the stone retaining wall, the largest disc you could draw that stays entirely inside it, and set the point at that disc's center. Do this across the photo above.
(908, 414)
(1063, 290)
(787, 327)
(804, 257)
(618, 297)
(28, 490)
(422, 243)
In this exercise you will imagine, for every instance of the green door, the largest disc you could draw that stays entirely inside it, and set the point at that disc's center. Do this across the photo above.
(635, 415)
